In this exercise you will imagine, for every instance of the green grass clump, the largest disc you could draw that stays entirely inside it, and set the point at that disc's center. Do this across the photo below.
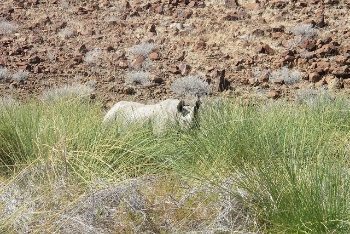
(287, 164)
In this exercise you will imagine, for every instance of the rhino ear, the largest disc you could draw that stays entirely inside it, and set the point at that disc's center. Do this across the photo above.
(198, 104)
(180, 106)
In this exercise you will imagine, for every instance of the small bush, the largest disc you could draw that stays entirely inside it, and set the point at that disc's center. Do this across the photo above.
(287, 75)
(190, 85)
(7, 27)
(66, 33)
(313, 97)
(304, 30)
(4, 73)
(142, 49)
(92, 56)
(74, 90)
(20, 75)
(138, 78)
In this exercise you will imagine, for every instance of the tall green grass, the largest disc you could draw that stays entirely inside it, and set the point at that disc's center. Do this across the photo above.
(70, 132)
(288, 162)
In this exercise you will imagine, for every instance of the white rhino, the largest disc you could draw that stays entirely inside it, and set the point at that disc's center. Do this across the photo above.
(161, 115)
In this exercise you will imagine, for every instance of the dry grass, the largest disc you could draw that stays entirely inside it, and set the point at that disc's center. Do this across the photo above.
(20, 75)
(138, 78)
(7, 27)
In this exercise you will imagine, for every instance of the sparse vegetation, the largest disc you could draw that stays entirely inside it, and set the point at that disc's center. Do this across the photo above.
(68, 91)
(312, 97)
(301, 33)
(4, 73)
(142, 49)
(261, 170)
(7, 27)
(289, 76)
(92, 56)
(20, 75)
(138, 78)
(304, 30)
(190, 85)
(66, 33)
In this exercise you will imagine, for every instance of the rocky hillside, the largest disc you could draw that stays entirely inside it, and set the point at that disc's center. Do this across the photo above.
(136, 49)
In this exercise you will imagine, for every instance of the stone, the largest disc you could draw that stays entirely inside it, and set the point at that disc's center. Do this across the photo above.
(342, 59)
(273, 94)
(309, 45)
(184, 68)
(123, 64)
(158, 80)
(2, 62)
(341, 71)
(181, 56)
(192, 4)
(264, 77)
(153, 56)
(78, 59)
(129, 90)
(174, 70)
(37, 69)
(327, 50)
(258, 32)
(159, 10)
(253, 82)
(314, 77)
(232, 16)
(201, 45)
(265, 49)
(82, 49)
(110, 48)
(153, 29)
(335, 83)
(278, 3)
(187, 14)
(35, 60)
(322, 67)
(231, 3)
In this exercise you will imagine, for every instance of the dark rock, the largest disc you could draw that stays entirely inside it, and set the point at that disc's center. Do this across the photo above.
(265, 49)
(314, 77)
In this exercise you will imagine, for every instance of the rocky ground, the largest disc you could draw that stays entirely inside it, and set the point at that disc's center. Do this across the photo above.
(136, 49)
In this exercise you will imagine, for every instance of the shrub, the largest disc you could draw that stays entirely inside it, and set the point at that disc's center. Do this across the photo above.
(4, 73)
(66, 32)
(7, 27)
(304, 30)
(142, 49)
(68, 91)
(92, 56)
(138, 78)
(20, 75)
(287, 75)
(190, 85)
(301, 32)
